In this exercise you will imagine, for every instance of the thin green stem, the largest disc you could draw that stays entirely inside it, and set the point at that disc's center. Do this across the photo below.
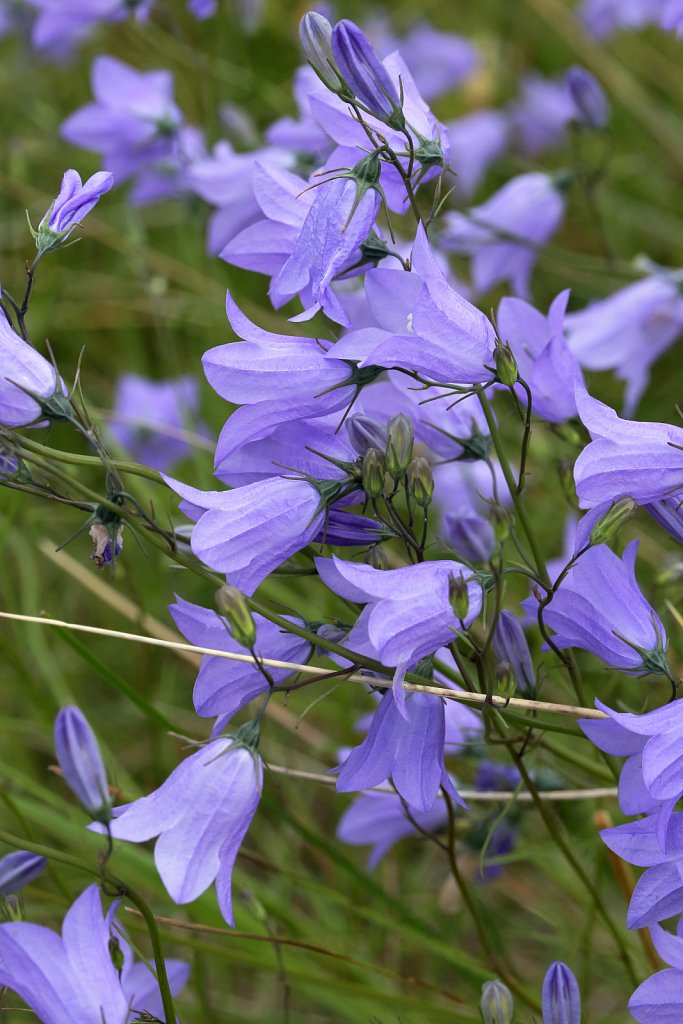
(517, 500)
(157, 949)
(566, 850)
(486, 945)
(72, 459)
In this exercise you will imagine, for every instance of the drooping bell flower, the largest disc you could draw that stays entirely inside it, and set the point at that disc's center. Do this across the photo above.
(379, 820)
(249, 531)
(424, 324)
(223, 686)
(408, 749)
(266, 367)
(135, 124)
(628, 331)
(154, 419)
(501, 234)
(659, 999)
(201, 814)
(543, 357)
(600, 608)
(30, 389)
(339, 221)
(408, 612)
(643, 460)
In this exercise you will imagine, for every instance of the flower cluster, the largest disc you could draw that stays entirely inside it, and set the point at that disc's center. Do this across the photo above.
(369, 524)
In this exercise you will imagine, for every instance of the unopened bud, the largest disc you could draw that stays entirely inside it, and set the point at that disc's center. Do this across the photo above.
(588, 96)
(505, 679)
(611, 522)
(500, 521)
(399, 451)
(496, 1004)
(560, 997)
(469, 535)
(430, 153)
(19, 869)
(116, 954)
(81, 762)
(232, 604)
(365, 75)
(420, 481)
(475, 447)
(458, 596)
(365, 432)
(373, 473)
(315, 33)
(511, 647)
(374, 248)
(506, 365)
(377, 557)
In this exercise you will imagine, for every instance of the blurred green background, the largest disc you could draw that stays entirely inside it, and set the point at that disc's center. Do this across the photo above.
(138, 293)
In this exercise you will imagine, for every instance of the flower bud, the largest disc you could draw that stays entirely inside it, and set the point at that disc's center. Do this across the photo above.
(232, 604)
(475, 447)
(613, 519)
(510, 646)
(80, 759)
(19, 869)
(373, 473)
(505, 679)
(496, 1004)
(458, 596)
(334, 633)
(364, 73)
(377, 557)
(506, 365)
(469, 535)
(500, 521)
(116, 954)
(364, 433)
(588, 97)
(315, 33)
(560, 998)
(399, 445)
(429, 153)
(374, 248)
(420, 481)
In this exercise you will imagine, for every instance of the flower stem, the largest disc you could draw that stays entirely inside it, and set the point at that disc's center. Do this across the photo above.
(517, 500)
(573, 861)
(487, 947)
